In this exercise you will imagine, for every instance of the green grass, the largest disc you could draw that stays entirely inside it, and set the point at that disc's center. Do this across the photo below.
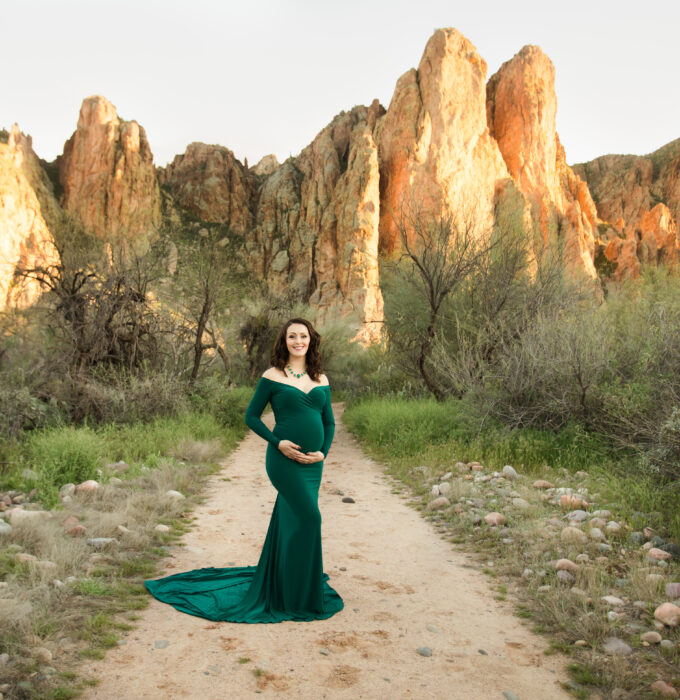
(407, 433)
(73, 454)
(446, 432)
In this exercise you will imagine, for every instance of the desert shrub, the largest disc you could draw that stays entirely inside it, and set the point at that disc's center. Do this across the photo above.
(461, 293)
(20, 410)
(112, 395)
(554, 373)
(226, 403)
(610, 365)
(62, 455)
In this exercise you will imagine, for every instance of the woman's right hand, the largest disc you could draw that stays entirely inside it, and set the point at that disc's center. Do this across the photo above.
(290, 449)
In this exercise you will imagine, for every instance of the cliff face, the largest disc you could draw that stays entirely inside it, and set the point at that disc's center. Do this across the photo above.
(454, 143)
(639, 197)
(521, 109)
(317, 219)
(108, 175)
(434, 143)
(26, 205)
(450, 142)
(211, 183)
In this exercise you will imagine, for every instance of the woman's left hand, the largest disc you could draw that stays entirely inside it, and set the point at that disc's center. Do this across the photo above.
(310, 457)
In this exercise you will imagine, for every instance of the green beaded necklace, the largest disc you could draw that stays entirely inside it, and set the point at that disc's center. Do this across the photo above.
(290, 369)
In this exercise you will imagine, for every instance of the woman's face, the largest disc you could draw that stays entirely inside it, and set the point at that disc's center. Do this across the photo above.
(297, 340)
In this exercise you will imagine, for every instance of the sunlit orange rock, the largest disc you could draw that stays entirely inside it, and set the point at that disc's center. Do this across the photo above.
(434, 145)
(659, 234)
(108, 175)
(522, 107)
(640, 196)
(27, 205)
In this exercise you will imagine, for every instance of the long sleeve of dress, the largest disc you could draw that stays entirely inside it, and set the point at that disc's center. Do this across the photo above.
(328, 425)
(255, 408)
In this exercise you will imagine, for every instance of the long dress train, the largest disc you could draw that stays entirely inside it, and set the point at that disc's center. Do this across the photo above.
(288, 582)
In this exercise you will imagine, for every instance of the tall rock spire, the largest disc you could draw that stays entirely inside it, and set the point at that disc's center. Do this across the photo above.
(108, 176)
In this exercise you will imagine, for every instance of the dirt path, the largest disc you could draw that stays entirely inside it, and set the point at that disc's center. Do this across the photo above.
(404, 587)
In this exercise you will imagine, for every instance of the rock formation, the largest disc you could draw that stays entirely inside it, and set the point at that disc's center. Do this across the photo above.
(316, 232)
(108, 175)
(266, 165)
(521, 109)
(211, 183)
(434, 144)
(26, 205)
(638, 199)
(313, 226)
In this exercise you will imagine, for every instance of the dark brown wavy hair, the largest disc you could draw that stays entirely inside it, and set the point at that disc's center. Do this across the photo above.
(280, 352)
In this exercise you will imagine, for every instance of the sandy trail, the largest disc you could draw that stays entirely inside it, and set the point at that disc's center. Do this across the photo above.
(404, 587)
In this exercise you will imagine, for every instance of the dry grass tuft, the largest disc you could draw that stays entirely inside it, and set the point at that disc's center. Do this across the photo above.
(198, 451)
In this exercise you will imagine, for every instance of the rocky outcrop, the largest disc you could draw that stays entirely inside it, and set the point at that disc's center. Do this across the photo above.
(435, 148)
(266, 165)
(316, 232)
(26, 205)
(521, 111)
(347, 248)
(108, 176)
(624, 187)
(212, 184)
(638, 200)
(450, 144)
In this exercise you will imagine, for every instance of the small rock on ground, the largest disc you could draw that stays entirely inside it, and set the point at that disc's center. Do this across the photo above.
(663, 689)
(616, 647)
(509, 472)
(437, 504)
(651, 637)
(668, 613)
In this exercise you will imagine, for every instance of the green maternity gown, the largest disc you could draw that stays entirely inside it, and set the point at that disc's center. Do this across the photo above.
(288, 582)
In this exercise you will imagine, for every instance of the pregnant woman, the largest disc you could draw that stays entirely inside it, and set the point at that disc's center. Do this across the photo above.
(288, 582)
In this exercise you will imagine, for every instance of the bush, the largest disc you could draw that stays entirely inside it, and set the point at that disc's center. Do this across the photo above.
(20, 410)
(227, 404)
(555, 372)
(63, 455)
(122, 397)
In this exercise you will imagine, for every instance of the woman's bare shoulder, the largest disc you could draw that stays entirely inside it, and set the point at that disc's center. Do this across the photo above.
(272, 373)
(323, 379)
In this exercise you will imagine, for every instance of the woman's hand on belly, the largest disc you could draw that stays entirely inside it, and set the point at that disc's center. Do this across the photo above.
(291, 450)
(310, 457)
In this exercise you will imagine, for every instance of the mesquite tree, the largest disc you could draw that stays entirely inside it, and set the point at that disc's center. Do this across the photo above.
(438, 254)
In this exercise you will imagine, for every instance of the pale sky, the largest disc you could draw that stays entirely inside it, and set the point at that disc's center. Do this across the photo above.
(265, 77)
